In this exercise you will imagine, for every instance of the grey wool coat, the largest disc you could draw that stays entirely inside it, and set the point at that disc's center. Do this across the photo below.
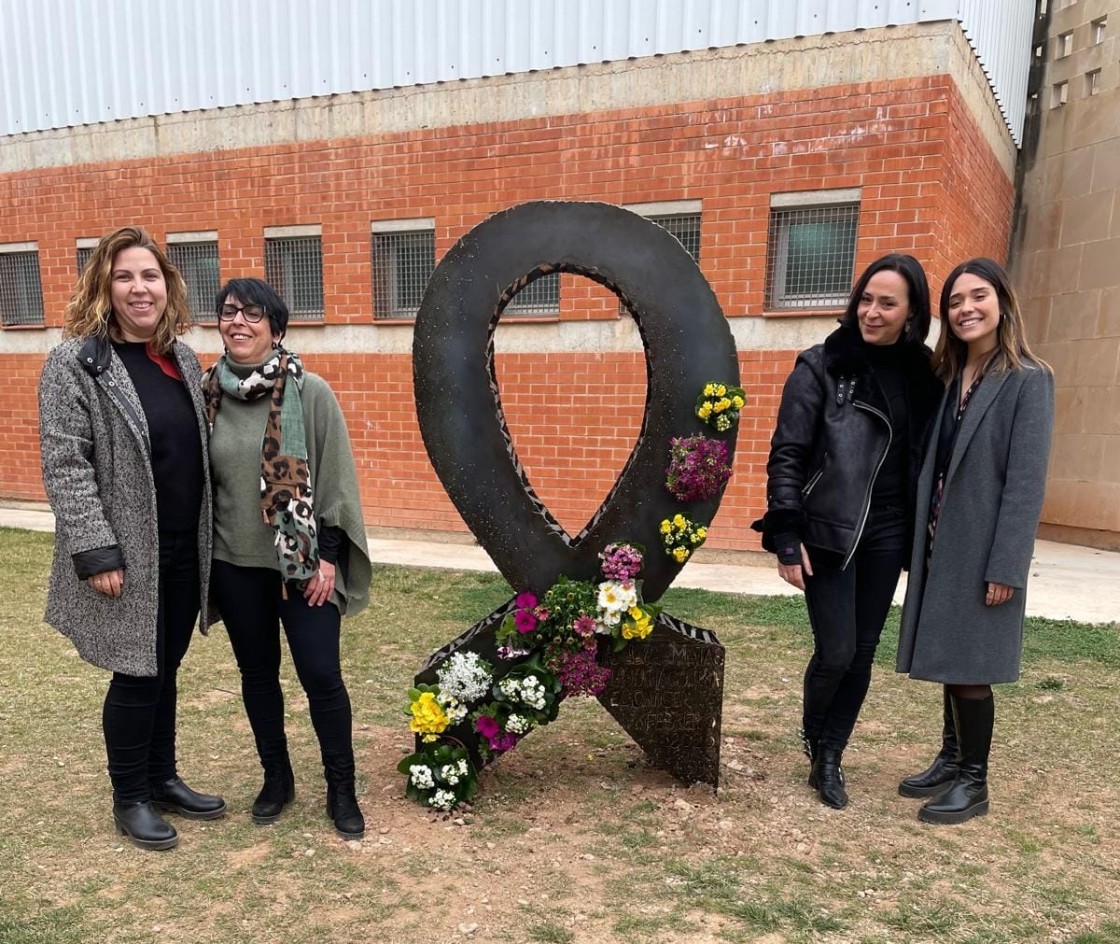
(990, 508)
(98, 477)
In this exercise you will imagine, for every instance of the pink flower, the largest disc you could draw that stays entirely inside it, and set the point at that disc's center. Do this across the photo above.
(526, 601)
(541, 613)
(584, 626)
(487, 727)
(525, 621)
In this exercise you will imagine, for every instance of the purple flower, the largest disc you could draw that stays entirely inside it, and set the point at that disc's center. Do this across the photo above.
(487, 727)
(621, 561)
(525, 621)
(698, 467)
(580, 674)
(584, 626)
(525, 601)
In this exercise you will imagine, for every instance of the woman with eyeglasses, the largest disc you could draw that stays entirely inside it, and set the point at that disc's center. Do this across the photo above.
(289, 540)
(123, 442)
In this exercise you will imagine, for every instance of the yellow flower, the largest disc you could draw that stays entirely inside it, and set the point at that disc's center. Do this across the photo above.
(705, 411)
(680, 554)
(666, 527)
(678, 521)
(737, 402)
(638, 629)
(636, 612)
(701, 533)
(709, 390)
(721, 390)
(722, 405)
(428, 718)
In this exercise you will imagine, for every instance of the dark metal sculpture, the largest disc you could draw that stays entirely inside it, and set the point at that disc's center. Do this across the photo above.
(666, 691)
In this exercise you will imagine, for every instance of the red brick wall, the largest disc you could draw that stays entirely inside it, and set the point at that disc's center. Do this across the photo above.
(930, 185)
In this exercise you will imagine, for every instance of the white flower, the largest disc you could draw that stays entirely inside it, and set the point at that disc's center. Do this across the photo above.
(465, 676)
(421, 776)
(449, 773)
(519, 724)
(616, 596)
(452, 707)
(442, 800)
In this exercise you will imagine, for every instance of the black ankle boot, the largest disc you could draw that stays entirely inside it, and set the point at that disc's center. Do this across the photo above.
(968, 795)
(143, 826)
(830, 779)
(342, 800)
(938, 776)
(175, 796)
(278, 791)
(810, 748)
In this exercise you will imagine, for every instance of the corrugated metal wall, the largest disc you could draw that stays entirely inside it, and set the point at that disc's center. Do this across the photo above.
(65, 63)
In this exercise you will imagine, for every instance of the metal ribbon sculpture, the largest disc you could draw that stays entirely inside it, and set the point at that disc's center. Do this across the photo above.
(667, 691)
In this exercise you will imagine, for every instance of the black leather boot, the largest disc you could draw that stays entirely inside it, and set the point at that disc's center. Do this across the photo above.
(809, 747)
(143, 826)
(967, 796)
(830, 779)
(279, 788)
(342, 801)
(176, 797)
(939, 775)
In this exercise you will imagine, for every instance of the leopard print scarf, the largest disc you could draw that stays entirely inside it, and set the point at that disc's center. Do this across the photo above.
(287, 499)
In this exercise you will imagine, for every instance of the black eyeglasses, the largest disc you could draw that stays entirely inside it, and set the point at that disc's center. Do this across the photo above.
(251, 313)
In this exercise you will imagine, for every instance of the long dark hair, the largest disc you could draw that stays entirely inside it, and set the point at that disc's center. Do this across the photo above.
(917, 322)
(1012, 351)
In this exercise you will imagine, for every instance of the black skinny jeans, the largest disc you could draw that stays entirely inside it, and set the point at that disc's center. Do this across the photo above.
(252, 609)
(847, 610)
(139, 713)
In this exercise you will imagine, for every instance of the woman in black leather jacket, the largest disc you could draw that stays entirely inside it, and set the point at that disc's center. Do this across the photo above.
(840, 486)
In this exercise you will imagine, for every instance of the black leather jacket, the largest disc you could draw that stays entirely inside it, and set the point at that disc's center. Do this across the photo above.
(831, 438)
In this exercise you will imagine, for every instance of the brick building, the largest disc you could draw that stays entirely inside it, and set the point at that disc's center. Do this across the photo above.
(786, 157)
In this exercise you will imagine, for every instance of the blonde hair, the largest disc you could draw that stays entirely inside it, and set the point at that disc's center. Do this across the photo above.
(90, 310)
(1012, 351)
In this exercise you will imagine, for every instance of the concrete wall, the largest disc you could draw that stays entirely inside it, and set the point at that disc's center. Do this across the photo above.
(1068, 266)
(904, 114)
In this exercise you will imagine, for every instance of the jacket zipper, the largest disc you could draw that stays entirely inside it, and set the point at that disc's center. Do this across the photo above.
(816, 478)
(871, 484)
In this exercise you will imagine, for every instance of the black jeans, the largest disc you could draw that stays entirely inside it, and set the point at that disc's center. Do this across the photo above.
(139, 713)
(847, 610)
(252, 608)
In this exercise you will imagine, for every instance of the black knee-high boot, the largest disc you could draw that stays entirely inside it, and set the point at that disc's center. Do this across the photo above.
(968, 795)
(939, 775)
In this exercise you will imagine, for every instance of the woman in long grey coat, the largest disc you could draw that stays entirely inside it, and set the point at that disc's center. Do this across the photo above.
(123, 438)
(980, 496)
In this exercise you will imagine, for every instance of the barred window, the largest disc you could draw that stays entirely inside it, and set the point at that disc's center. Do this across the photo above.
(541, 297)
(21, 292)
(196, 258)
(293, 265)
(810, 253)
(686, 227)
(402, 264)
(82, 254)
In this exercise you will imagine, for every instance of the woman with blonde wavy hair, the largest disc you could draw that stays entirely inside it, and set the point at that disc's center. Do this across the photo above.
(123, 435)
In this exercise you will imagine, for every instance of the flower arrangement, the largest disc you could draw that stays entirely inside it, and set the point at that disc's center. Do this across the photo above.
(698, 467)
(718, 405)
(440, 776)
(681, 536)
(553, 644)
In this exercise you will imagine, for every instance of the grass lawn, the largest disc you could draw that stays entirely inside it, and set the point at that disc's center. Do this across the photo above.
(575, 838)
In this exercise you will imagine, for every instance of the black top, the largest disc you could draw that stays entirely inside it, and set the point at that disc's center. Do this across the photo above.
(891, 485)
(175, 437)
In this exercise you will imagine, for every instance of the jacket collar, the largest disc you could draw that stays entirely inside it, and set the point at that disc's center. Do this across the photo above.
(844, 355)
(95, 355)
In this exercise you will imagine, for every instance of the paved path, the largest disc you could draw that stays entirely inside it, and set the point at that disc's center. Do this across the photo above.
(1067, 581)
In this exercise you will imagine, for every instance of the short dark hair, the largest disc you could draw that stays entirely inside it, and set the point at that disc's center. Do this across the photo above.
(917, 323)
(256, 292)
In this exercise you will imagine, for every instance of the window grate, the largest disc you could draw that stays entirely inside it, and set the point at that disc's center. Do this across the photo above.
(21, 292)
(686, 227)
(198, 265)
(293, 266)
(402, 265)
(541, 297)
(82, 255)
(811, 256)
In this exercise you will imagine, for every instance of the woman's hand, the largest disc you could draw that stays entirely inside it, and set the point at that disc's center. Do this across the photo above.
(796, 573)
(998, 593)
(111, 583)
(319, 588)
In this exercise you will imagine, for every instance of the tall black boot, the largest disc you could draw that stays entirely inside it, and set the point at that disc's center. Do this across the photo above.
(830, 778)
(939, 775)
(279, 787)
(968, 795)
(342, 800)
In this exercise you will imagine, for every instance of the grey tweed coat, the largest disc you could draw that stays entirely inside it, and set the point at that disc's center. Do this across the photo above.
(985, 534)
(98, 478)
